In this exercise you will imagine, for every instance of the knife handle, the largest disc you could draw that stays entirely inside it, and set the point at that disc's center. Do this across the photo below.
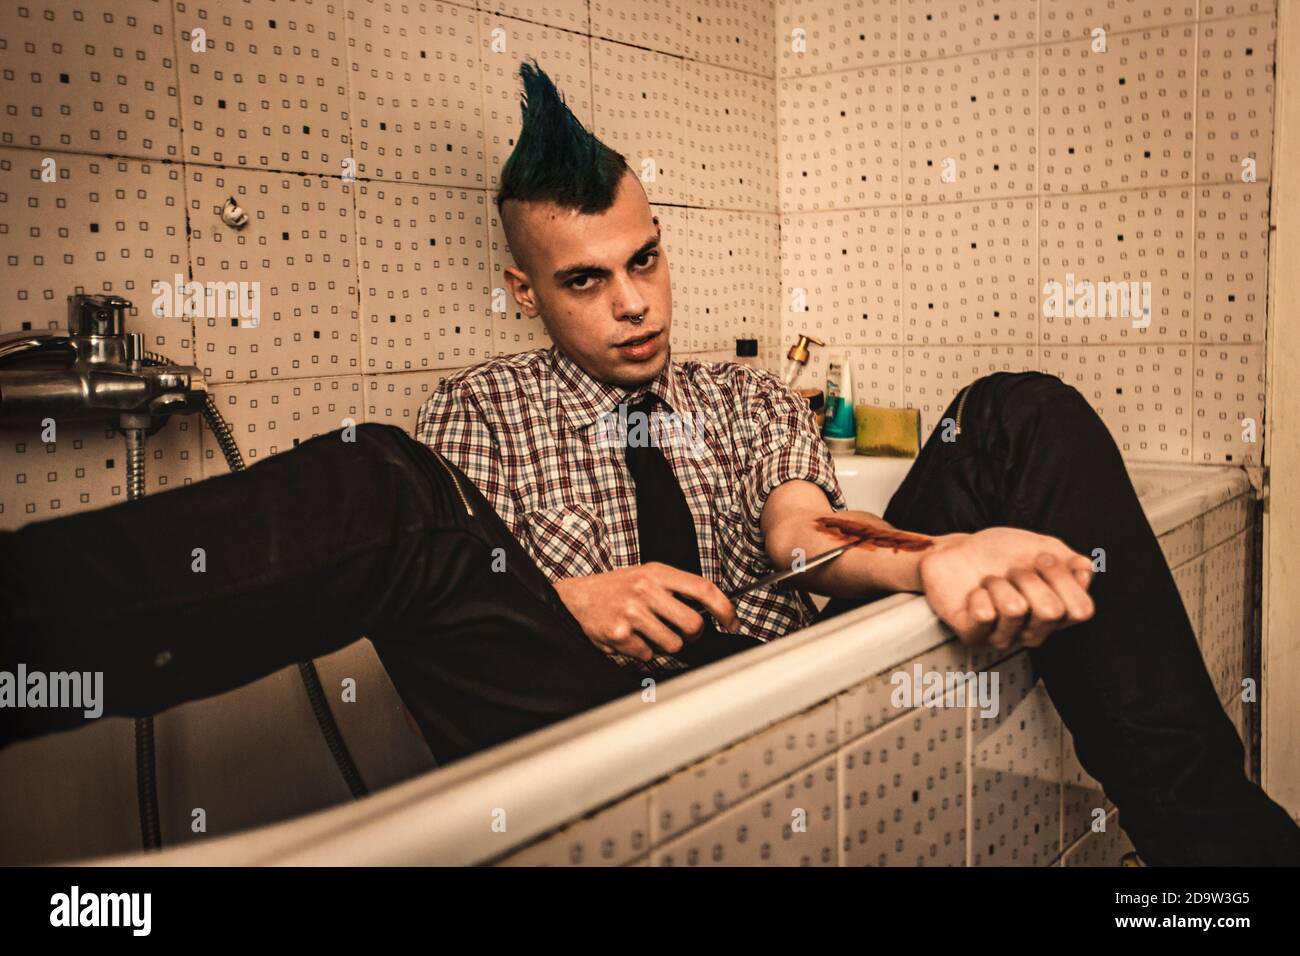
(698, 608)
(709, 620)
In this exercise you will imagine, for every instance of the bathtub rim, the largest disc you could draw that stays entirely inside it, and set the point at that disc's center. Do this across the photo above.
(442, 817)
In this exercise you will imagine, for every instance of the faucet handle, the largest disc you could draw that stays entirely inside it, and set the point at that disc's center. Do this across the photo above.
(99, 315)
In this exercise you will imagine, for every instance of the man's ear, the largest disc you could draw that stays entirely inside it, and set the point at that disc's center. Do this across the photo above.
(522, 290)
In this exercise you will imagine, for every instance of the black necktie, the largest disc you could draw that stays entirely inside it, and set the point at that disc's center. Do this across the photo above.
(666, 531)
(664, 524)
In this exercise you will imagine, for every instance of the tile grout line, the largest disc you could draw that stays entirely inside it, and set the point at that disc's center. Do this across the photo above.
(752, 211)
(204, 437)
(1196, 270)
(888, 64)
(1038, 198)
(489, 252)
(354, 194)
(902, 245)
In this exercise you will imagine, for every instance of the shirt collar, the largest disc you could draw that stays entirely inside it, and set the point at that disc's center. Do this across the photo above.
(584, 399)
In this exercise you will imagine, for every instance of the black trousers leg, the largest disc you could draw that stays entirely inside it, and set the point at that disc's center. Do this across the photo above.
(201, 589)
(1130, 684)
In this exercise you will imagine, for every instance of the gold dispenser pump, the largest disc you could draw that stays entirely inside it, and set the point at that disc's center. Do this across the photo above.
(798, 356)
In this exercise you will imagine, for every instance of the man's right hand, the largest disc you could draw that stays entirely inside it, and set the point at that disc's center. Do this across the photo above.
(623, 611)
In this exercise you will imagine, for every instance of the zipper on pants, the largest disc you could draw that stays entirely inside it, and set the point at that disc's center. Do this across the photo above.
(961, 405)
(455, 481)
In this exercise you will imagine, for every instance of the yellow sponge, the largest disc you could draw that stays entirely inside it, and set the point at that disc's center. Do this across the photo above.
(888, 432)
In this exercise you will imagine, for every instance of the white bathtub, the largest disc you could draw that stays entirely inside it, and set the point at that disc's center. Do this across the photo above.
(693, 777)
(868, 483)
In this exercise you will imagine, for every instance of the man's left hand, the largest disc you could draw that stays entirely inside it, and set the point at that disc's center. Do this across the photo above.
(1001, 584)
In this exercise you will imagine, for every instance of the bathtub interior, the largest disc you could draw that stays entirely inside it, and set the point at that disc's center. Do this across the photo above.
(868, 483)
(850, 779)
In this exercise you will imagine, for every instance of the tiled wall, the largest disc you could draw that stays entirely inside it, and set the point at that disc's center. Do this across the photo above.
(941, 161)
(801, 153)
(873, 784)
(374, 287)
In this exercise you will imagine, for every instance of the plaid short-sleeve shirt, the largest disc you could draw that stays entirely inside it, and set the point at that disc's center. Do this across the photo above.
(540, 438)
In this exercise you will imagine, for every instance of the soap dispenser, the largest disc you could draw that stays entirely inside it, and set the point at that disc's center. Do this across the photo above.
(798, 356)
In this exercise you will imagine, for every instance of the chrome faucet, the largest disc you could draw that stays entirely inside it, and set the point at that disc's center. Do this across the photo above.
(97, 370)
(100, 370)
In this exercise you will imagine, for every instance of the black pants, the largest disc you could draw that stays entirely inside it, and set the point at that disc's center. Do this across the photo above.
(204, 588)
(1130, 684)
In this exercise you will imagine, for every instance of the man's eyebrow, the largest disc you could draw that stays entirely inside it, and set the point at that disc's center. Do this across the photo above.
(572, 272)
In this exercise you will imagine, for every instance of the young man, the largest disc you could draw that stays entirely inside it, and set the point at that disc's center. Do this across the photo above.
(629, 536)
(579, 556)
(533, 433)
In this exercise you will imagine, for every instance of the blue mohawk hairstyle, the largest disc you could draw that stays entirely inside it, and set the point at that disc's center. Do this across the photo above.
(557, 159)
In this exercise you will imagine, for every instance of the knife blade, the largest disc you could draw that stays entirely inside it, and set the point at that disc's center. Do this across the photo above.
(778, 576)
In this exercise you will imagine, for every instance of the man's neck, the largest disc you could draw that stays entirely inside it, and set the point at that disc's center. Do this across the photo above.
(585, 397)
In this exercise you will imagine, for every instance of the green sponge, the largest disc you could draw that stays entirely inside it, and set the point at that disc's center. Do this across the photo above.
(888, 432)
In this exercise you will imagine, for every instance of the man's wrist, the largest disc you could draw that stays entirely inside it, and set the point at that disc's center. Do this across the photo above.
(940, 542)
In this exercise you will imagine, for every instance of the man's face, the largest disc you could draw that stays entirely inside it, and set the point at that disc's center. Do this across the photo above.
(590, 276)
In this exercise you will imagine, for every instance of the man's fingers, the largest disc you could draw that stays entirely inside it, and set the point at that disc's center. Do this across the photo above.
(1012, 609)
(656, 633)
(1078, 606)
(686, 620)
(981, 607)
(1046, 609)
(972, 622)
(1081, 567)
(624, 640)
(701, 589)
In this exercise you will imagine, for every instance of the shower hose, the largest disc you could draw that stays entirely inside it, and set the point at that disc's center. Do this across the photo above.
(146, 776)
